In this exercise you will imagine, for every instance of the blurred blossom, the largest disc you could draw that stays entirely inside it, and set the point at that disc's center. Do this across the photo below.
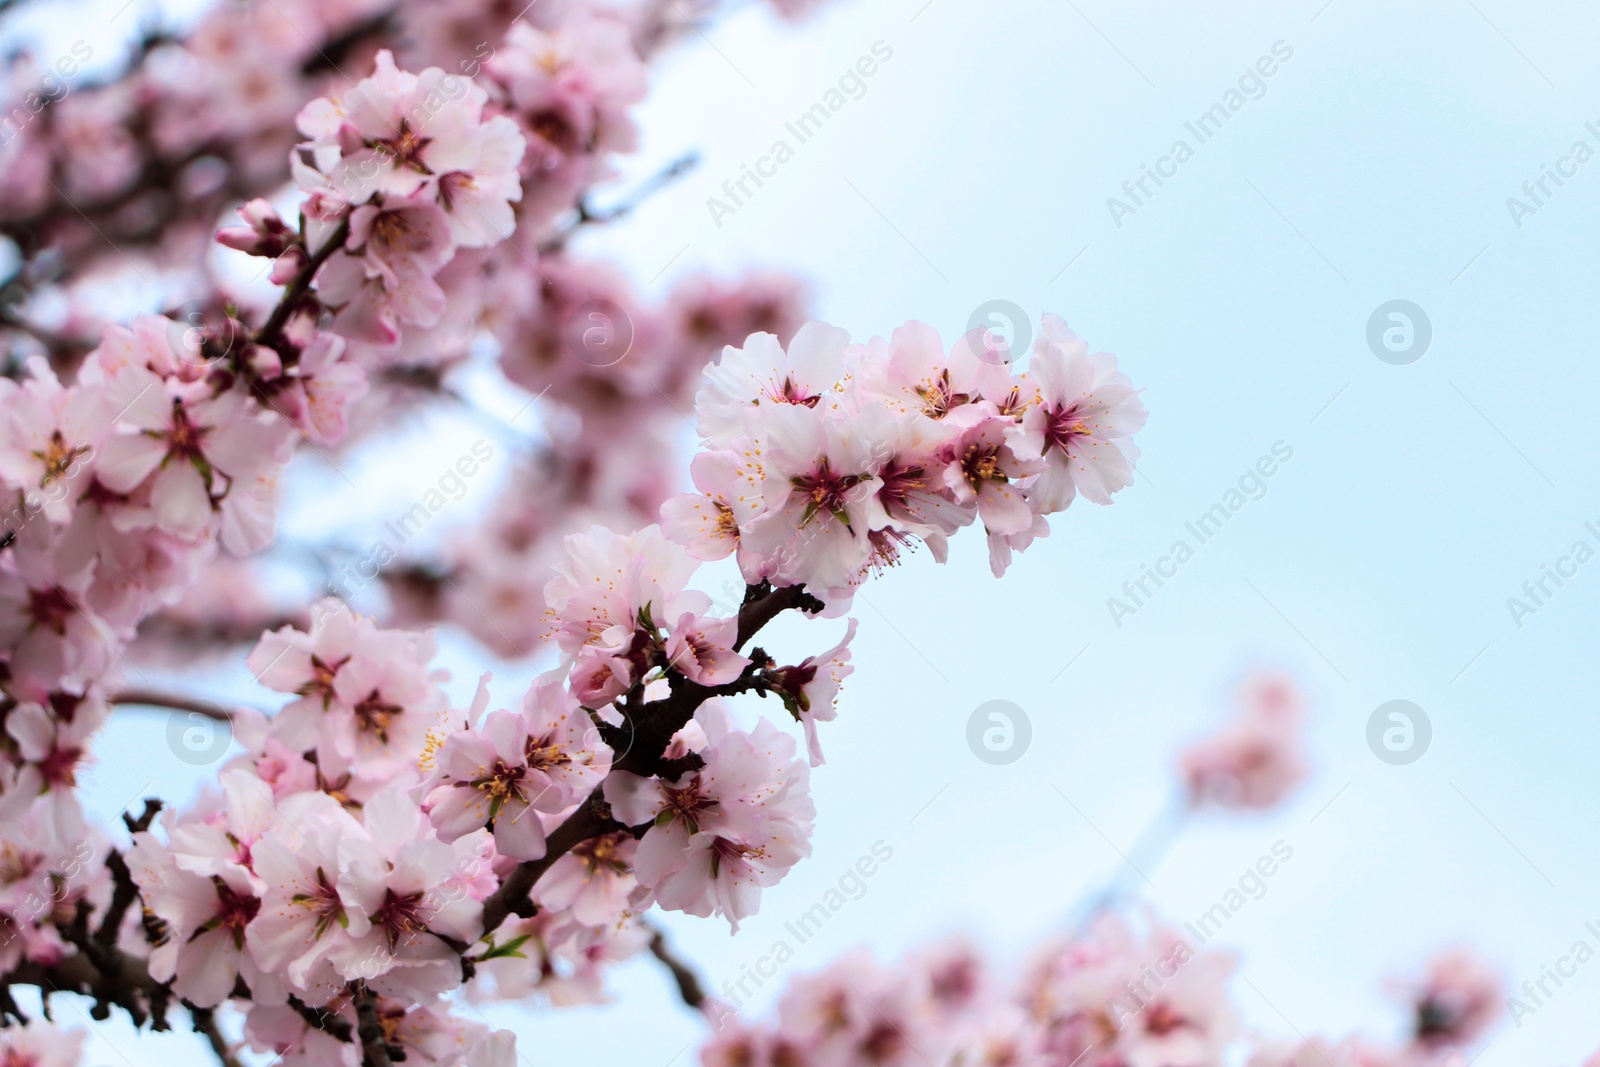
(1258, 757)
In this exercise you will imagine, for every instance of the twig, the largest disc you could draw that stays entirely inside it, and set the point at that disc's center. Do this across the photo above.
(689, 987)
(762, 604)
(324, 1020)
(592, 819)
(205, 1024)
(1140, 859)
(653, 725)
(272, 329)
(376, 1051)
(589, 216)
(153, 698)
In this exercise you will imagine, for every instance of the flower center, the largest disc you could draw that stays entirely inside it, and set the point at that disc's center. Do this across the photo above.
(399, 916)
(825, 491)
(1064, 426)
(321, 681)
(374, 715)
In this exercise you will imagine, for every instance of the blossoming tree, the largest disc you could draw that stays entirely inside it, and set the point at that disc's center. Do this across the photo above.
(373, 851)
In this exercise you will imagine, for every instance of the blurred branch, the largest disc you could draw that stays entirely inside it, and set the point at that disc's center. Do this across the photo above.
(688, 982)
(205, 1024)
(1147, 851)
(154, 698)
(589, 215)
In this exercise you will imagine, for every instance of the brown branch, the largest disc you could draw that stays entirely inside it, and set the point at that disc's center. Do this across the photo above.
(592, 819)
(376, 1051)
(762, 604)
(204, 1021)
(689, 986)
(272, 329)
(593, 216)
(154, 698)
(328, 1022)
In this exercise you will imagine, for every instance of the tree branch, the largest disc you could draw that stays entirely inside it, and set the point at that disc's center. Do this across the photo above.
(592, 819)
(376, 1051)
(652, 726)
(154, 698)
(329, 1023)
(300, 285)
(688, 982)
(204, 1021)
(762, 604)
(590, 216)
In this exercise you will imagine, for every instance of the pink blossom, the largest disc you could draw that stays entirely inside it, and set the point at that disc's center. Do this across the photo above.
(822, 501)
(983, 470)
(608, 581)
(707, 523)
(1458, 999)
(701, 649)
(811, 690)
(415, 890)
(1258, 758)
(763, 374)
(720, 834)
(48, 438)
(1081, 421)
(366, 696)
(41, 1044)
(196, 449)
(507, 765)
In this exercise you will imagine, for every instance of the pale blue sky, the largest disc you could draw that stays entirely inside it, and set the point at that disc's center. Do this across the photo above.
(1376, 166)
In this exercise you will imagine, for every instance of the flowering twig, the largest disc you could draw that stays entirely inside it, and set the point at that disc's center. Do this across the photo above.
(588, 215)
(324, 1020)
(592, 819)
(653, 725)
(762, 604)
(300, 285)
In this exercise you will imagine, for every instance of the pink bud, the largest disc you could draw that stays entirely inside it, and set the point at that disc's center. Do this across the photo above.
(262, 217)
(286, 266)
(266, 363)
(241, 238)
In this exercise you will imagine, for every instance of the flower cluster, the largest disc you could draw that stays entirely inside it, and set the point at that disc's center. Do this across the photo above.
(1120, 995)
(824, 459)
(170, 442)
(401, 171)
(720, 833)
(1127, 992)
(1259, 757)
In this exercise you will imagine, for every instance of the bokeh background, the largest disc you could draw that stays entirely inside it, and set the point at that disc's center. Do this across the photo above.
(1375, 165)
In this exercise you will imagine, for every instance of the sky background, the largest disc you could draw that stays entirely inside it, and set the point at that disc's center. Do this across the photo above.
(1376, 166)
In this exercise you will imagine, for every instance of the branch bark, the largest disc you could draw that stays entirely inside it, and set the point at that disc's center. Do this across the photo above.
(155, 698)
(688, 982)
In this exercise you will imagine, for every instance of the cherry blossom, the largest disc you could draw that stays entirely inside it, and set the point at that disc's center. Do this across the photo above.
(1257, 758)
(507, 766)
